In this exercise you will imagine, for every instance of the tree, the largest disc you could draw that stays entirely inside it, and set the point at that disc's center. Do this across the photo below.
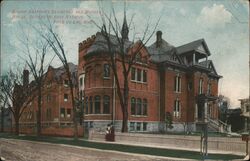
(16, 93)
(3, 101)
(168, 121)
(37, 65)
(49, 34)
(121, 51)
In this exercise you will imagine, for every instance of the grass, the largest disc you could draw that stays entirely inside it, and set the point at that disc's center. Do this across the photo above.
(124, 148)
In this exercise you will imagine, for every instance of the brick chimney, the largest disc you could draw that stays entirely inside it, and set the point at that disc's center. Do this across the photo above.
(158, 39)
(25, 77)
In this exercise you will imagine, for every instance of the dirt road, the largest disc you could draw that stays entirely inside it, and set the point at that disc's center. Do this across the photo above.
(18, 150)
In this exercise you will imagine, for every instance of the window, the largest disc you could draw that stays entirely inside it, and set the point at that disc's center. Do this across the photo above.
(48, 113)
(144, 126)
(138, 126)
(138, 103)
(97, 105)
(133, 104)
(66, 97)
(132, 126)
(139, 75)
(200, 86)
(144, 76)
(81, 82)
(86, 105)
(81, 94)
(49, 84)
(106, 71)
(66, 83)
(209, 88)
(90, 105)
(138, 58)
(145, 110)
(68, 113)
(62, 112)
(48, 98)
(106, 104)
(177, 108)
(177, 84)
(190, 86)
(133, 74)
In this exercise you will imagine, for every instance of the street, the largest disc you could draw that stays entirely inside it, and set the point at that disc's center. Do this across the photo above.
(19, 150)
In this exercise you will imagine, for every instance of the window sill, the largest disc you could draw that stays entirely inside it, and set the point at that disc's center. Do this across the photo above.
(106, 78)
(139, 115)
(99, 114)
(134, 81)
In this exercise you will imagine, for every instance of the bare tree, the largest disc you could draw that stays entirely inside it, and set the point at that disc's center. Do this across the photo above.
(16, 93)
(121, 51)
(3, 100)
(54, 41)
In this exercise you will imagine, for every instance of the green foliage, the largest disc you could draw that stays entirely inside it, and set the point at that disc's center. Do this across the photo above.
(169, 120)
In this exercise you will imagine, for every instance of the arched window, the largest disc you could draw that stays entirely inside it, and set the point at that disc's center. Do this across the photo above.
(90, 105)
(138, 109)
(97, 104)
(106, 104)
(133, 106)
(86, 106)
(145, 107)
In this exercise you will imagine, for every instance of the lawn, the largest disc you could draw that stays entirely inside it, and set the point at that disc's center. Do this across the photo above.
(123, 148)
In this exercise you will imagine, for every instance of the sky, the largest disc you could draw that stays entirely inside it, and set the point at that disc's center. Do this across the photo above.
(224, 24)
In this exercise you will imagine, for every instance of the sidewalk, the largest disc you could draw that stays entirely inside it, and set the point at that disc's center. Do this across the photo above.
(166, 147)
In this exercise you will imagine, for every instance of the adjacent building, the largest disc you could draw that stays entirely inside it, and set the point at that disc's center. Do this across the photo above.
(164, 79)
(57, 110)
(245, 112)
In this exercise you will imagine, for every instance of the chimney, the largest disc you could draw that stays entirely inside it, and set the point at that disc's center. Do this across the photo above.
(25, 78)
(158, 39)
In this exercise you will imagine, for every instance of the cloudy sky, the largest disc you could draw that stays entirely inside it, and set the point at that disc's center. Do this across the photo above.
(224, 24)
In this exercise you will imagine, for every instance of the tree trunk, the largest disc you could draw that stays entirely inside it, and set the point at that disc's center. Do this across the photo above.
(2, 120)
(125, 108)
(73, 103)
(17, 126)
(39, 99)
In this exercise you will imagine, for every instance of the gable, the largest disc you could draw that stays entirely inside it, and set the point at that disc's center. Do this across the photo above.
(212, 68)
(201, 48)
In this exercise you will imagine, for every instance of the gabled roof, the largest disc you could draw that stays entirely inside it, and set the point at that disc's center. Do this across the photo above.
(208, 64)
(100, 44)
(192, 46)
(165, 52)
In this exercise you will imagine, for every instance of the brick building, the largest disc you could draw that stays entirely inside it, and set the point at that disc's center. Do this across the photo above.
(57, 111)
(179, 80)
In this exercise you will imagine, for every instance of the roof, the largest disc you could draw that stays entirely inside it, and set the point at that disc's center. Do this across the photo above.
(192, 46)
(100, 44)
(61, 70)
(162, 53)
